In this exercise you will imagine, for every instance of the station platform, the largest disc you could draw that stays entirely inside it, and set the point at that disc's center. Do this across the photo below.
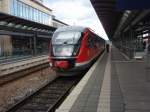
(113, 84)
(18, 65)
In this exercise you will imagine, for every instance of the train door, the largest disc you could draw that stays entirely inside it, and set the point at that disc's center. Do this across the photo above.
(90, 45)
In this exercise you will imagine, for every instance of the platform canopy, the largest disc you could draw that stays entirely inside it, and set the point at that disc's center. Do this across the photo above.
(12, 25)
(118, 16)
(108, 15)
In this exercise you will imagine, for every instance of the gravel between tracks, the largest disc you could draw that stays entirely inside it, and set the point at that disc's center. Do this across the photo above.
(14, 91)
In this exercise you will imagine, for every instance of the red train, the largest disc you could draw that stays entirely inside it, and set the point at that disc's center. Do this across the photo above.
(74, 48)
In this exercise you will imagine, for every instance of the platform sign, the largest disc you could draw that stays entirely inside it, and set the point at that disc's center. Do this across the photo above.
(133, 4)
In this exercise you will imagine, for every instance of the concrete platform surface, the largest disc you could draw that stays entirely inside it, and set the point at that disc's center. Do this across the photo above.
(21, 65)
(113, 84)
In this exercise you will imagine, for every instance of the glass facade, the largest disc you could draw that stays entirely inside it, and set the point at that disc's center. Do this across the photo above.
(12, 46)
(25, 11)
(21, 46)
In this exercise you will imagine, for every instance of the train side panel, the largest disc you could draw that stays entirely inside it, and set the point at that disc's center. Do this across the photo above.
(89, 50)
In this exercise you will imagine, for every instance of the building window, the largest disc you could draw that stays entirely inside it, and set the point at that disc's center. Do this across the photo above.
(18, 9)
(14, 8)
(23, 10)
(37, 15)
(40, 16)
(27, 13)
(47, 19)
(19, 5)
(32, 14)
(44, 18)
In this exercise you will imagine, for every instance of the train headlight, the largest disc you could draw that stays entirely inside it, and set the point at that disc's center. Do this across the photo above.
(63, 50)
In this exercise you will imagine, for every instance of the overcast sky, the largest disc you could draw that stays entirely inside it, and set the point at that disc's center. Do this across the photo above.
(76, 12)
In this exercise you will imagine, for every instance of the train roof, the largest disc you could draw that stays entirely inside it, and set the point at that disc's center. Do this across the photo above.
(71, 28)
(75, 28)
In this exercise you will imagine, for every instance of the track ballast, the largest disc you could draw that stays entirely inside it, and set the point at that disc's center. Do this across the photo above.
(48, 98)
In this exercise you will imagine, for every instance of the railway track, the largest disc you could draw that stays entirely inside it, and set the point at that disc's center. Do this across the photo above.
(48, 98)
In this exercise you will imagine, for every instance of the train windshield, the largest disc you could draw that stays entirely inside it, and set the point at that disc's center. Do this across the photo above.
(64, 50)
(67, 37)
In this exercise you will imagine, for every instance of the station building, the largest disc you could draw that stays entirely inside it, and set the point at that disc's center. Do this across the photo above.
(31, 10)
(28, 9)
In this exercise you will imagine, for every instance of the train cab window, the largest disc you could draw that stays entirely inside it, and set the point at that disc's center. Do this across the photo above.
(65, 43)
(66, 37)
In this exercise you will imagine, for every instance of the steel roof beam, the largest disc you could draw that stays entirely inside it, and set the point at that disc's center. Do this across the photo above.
(141, 16)
(103, 1)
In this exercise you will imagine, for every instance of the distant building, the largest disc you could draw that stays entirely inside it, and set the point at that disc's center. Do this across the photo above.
(32, 10)
(57, 23)
(40, 1)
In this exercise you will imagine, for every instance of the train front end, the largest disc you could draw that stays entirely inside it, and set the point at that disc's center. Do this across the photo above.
(64, 48)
